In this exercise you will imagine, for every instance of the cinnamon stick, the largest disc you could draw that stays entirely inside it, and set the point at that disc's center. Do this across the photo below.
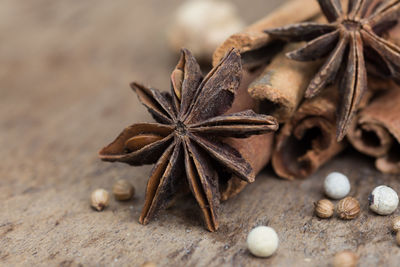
(282, 84)
(253, 42)
(308, 139)
(376, 131)
(256, 150)
(257, 49)
(280, 87)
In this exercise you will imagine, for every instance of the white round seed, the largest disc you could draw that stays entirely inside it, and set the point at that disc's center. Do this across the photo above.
(336, 185)
(383, 200)
(202, 36)
(262, 241)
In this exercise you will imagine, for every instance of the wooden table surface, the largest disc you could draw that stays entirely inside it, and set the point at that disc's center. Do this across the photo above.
(64, 75)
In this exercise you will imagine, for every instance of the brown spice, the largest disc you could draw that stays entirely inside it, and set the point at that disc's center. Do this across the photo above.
(324, 208)
(257, 149)
(376, 130)
(348, 208)
(123, 190)
(189, 121)
(307, 141)
(149, 264)
(396, 224)
(357, 31)
(281, 85)
(345, 259)
(253, 41)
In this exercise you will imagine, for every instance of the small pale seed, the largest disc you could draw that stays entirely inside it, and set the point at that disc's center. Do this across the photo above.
(99, 199)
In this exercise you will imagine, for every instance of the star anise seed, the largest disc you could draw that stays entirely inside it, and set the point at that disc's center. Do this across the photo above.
(350, 34)
(185, 142)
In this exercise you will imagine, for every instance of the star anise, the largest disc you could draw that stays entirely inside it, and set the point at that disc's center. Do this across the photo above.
(348, 36)
(185, 141)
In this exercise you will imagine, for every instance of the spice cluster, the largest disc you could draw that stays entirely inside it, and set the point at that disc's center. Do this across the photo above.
(340, 87)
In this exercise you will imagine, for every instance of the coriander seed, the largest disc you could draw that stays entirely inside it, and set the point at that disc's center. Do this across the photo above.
(348, 208)
(345, 259)
(123, 190)
(398, 238)
(149, 264)
(396, 224)
(99, 199)
(324, 208)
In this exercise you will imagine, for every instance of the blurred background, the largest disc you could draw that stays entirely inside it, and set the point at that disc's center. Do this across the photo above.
(60, 47)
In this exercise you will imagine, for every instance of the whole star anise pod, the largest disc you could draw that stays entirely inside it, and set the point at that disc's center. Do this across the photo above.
(345, 39)
(185, 142)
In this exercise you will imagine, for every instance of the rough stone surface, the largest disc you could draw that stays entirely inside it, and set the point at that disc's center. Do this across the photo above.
(64, 75)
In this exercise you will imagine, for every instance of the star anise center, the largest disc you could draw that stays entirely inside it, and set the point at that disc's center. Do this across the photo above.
(180, 128)
(351, 25)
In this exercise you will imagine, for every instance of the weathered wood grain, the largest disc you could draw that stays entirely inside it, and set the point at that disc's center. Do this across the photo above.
(64, 75)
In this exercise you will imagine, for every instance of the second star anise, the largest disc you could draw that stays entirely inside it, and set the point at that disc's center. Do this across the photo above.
(185, 142)
(348, 35)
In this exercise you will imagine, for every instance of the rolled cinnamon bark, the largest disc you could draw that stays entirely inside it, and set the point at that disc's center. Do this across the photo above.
(282, 92)
(308, 139)
(253, 42)
(282, 84)
(256, 150)
(376, 131)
